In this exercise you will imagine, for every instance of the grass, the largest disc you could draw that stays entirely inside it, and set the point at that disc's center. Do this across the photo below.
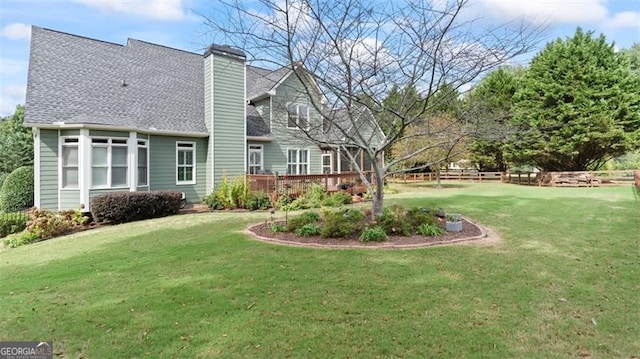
(563, 283)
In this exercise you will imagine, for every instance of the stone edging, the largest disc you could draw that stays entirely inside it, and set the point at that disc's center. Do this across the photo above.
(483, 234)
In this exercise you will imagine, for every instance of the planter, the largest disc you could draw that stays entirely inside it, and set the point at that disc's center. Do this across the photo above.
(453, 223)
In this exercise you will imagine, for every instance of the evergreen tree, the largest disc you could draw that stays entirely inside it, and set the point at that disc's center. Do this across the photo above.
(16, 142)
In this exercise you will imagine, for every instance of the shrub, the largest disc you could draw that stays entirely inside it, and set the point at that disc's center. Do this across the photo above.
(393, 221)
(295, 223)
(3, 176)
(417, 216)
(12, 222)
(45, 223)
(228, 195)
(430, 229)
(121, 207)
(21, 238)
(308, 230)
(337, 199)
(284, 201)
(316, 195)
(258, 200)
(277, 228)
(342, 223)
(373, 234)
(17, 190)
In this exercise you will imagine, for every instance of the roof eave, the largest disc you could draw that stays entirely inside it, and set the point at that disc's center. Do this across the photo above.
(261, 138)
(78, 126)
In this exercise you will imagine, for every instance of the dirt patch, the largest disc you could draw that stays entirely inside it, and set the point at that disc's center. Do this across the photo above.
(471, 232)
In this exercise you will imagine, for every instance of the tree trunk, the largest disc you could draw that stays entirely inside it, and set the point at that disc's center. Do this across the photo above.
(378, 195)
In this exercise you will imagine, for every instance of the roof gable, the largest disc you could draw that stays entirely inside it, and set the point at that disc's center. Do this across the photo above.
(73, 79)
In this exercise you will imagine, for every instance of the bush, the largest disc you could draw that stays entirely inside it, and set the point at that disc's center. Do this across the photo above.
(284, 201)
(316, 195)
(277, 228)
(21, 238)
(3, 176)
(296, 223)
(228, 195)
(393, 221)
(258, 200)
(430, 229)
(308, 230)
(337, 199)
(13, 222)
(373, 234)
(121, 207)
(342, 223)
(17, 190)
(418, 216)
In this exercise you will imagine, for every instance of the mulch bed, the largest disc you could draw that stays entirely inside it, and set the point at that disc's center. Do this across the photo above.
(470, 231)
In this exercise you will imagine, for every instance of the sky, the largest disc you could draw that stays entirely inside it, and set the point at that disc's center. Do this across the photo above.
(178, 24)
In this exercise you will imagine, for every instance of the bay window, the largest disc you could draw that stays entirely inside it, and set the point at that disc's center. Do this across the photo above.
(109, 163)
(70, 163)
(143, 164)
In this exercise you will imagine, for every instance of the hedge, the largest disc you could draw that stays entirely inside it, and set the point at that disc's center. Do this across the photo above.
(121, 207)
(16, 193)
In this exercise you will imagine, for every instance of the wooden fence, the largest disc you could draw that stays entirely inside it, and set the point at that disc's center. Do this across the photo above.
(552, 179)
(295, 185)
(448, 176)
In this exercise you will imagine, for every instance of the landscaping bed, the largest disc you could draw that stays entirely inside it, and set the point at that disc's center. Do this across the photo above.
(470, 231)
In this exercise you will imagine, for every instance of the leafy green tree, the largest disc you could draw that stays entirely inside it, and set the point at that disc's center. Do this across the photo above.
(16, 142)
(578, 106)
(491, 103)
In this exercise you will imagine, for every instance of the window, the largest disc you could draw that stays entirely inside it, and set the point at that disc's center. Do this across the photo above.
(255, 159)
(185, 163)
(143, 160)
(326, 162)
(298, 162)
(109, 163)
(298, 116)
(70, 163)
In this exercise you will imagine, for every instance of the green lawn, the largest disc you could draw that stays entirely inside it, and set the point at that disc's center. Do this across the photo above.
(564, 282)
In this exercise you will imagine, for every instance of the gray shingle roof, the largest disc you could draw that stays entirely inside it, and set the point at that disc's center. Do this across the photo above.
(73, 79)
(256, 126)
(260, 81)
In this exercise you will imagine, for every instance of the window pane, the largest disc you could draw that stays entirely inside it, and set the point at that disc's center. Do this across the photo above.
(326, 160)
(98, 176)
(119, 177)
(303, 169)
(118, 156)
(142, 176)
(69, 156)
(70, 177)
(181, 174)
(292, 156)
(303, 156)
(291, 169)
(188, 173)
(142, 156)
(188, 157)
(99, 156)
(303, 116)
(181, 157)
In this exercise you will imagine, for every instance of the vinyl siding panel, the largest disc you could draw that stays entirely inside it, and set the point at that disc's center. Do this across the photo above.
(208, 115)
(162, 170)
(290, 91)
(49, 169)
(229, 126)
(99, 133)
(69, 199)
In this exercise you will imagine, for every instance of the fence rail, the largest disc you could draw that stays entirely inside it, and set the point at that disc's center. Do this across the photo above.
(295, 185)
(449, 175)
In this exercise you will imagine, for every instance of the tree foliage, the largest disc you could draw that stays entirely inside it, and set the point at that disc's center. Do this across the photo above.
(16, 142)
(578, 106)
(492, 104)
(355, 51)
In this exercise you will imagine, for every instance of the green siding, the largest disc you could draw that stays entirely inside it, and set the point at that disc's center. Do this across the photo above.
(142, 136)
(208, 115)
(69, 132)
(229, 124)
(49, 169)
(69, 199)
(162, 162)
(275, 152)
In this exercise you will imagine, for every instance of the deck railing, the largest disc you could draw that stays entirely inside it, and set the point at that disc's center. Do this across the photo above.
(295, 185)
(469, 175)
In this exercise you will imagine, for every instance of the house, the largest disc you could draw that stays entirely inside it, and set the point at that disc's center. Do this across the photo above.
(139, 117)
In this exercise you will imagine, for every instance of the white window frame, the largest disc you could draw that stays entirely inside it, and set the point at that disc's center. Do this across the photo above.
(109, 145)
(183, 146)
(295, 117)
(253, 149)
(297, 163)
(323, 166)
(142, 144)
(73, 141)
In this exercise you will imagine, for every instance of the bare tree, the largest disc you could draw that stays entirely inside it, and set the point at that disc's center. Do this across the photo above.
(354, 51)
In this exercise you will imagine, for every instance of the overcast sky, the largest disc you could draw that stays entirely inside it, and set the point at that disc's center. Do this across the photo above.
(176, 23)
